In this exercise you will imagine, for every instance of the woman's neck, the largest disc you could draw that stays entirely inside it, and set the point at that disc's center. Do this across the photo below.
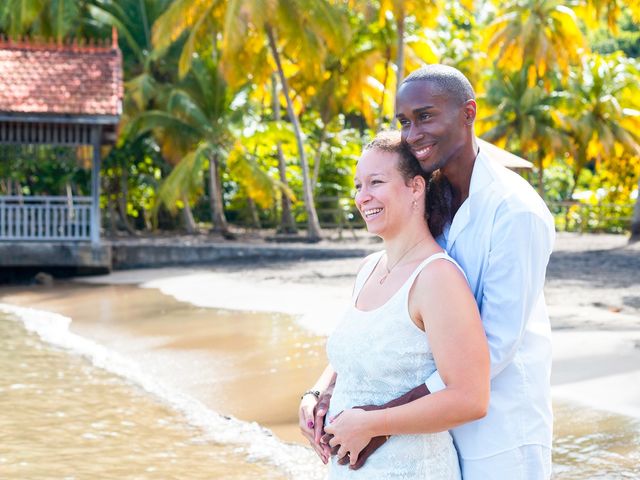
(400, 245)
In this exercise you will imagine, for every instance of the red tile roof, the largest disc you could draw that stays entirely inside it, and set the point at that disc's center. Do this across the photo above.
(60, 79)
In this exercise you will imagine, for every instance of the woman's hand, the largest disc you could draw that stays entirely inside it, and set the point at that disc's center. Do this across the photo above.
(351, 433)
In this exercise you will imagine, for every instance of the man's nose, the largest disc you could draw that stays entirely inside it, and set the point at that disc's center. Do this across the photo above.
(414, 134)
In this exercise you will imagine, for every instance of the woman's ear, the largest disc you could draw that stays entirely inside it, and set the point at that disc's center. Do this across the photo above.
(418, 185)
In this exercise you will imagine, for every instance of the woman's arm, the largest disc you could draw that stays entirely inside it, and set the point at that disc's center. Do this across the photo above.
(441, 301)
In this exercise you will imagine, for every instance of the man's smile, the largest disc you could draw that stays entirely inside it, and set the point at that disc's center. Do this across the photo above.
(422, 152)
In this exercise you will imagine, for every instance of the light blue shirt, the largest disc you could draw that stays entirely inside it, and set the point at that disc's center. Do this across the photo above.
(502, 236)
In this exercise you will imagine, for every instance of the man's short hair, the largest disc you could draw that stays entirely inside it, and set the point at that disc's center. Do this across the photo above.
(450, 80)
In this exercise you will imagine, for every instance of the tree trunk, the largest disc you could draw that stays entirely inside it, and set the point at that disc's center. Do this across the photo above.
(218, 219)
(187, 216)
(314, 232)
(253, 211)
(287, 223)
(384, 88)
(540, 162)
(113, 227)
(635, 220)
(400, 53)
(122, 202)
(318, 158)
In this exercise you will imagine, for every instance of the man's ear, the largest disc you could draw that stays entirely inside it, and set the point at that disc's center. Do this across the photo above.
(469, 111)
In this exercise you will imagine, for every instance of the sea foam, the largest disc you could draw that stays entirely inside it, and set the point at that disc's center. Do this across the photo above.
(257, 442)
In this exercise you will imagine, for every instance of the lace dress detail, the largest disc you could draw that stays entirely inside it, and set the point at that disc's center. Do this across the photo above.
(379, 355)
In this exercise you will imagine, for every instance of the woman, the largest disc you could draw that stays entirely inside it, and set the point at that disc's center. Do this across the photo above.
(412, 312)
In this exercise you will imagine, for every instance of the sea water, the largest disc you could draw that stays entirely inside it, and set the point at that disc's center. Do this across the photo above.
(71, 407)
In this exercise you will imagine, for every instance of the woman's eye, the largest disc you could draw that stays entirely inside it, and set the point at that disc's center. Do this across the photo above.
(358, 187)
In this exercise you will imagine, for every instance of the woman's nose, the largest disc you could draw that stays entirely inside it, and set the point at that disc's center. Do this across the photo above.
(362, 196)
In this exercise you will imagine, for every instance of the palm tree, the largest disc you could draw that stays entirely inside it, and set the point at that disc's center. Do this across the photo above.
(602, 113)
(522, 119)
(592, 11)
(193, 129)
(635, 221)
(536, 34)
(424, 12)
(303, 29)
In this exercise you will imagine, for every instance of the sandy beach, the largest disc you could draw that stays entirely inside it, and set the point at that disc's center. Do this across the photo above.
(246, 338)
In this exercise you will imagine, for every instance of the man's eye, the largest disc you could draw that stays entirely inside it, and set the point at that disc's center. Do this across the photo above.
(404, 123)
(425, 116)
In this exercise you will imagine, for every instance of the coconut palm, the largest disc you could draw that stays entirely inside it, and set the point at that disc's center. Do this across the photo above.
(635, 221)
(536, 34)
(423, 12)
(302, 29)
(522, 118)
(602, 112)
(193, 130)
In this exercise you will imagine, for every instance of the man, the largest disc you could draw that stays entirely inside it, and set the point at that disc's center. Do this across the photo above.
(502, 235)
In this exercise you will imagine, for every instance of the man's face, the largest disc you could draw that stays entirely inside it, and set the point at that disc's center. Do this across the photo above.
(434, 126)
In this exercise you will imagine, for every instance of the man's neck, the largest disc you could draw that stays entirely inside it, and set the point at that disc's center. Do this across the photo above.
(459, 174)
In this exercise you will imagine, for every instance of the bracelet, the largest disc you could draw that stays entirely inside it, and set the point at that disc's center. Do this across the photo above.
(315, 393)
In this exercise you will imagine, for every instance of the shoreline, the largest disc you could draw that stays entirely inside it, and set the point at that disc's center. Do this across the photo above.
(592, 293)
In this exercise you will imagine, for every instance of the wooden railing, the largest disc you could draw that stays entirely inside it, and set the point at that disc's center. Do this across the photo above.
(38, 218)
(569, 215)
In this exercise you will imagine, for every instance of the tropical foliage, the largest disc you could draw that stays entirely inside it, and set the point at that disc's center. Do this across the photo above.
(253, 113)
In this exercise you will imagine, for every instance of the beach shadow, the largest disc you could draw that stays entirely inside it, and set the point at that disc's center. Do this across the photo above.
(618, 268)
(633, 302)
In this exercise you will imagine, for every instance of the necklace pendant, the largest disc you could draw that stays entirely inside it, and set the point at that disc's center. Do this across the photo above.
(382, 279)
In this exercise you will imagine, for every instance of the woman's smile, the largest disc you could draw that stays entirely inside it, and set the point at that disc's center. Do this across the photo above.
(371, 213)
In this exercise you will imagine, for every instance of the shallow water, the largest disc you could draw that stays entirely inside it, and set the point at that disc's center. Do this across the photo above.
(594, 445)
(62, 417)
(60, 413)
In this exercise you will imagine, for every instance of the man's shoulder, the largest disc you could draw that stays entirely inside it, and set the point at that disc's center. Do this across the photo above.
(514, 194)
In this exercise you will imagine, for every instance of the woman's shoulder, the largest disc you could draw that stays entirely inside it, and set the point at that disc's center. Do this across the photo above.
(440, 270)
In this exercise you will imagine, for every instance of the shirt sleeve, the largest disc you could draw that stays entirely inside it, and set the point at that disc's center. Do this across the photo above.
(512, 283)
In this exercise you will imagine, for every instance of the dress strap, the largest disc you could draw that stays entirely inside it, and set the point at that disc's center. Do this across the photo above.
(365, 272)
(427, 261)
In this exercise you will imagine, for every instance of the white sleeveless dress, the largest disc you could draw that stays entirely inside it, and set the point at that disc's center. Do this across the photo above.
(380, 355)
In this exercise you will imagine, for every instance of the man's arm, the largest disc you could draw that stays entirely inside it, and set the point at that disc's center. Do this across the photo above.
(520, 249)
(376, 442)
(521, 245)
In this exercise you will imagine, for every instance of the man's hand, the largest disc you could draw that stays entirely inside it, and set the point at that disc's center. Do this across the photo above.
(376, 442)
(311, 421)
(309, 425)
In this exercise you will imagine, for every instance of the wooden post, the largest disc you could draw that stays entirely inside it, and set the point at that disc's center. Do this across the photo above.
(95, 185)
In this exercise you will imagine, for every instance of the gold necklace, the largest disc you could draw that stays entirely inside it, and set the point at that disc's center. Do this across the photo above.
(384, 277)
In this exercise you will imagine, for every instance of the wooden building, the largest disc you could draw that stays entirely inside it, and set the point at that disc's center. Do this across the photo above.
(58, 95)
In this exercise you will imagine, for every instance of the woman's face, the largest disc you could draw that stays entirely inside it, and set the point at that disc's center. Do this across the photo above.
(382, 195)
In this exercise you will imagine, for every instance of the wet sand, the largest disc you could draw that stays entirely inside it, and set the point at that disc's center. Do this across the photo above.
(213, 333)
